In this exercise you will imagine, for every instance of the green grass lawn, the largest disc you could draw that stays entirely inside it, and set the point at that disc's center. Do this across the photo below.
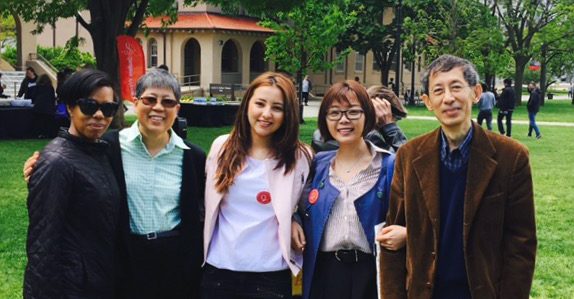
(552, 160)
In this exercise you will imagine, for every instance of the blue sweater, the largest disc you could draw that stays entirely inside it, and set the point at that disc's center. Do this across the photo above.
(451, 280)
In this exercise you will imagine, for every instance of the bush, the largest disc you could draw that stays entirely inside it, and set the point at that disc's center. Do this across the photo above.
(69, 57)
(10, 54)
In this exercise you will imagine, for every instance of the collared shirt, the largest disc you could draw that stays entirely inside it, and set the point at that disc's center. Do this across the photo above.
(343, 229)
(458, 157)
(153, 183)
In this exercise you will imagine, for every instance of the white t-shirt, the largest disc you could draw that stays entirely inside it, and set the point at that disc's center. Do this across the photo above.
(246, 235)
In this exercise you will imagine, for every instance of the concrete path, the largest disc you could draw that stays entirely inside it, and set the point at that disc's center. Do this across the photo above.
(313, 110)
(521, 122)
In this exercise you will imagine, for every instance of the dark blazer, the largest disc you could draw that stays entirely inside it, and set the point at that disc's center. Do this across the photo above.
(191, 201)
(499, 232)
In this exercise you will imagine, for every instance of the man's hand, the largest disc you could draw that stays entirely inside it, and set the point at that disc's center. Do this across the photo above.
(29, 166)
(297, 237)
(393, 237)
(383, 111)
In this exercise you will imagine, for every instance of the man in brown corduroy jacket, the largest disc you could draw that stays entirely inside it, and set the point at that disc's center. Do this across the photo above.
(465, 196)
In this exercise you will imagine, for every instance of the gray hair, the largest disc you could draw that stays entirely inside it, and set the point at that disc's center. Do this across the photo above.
(157, 78)
(446, 63)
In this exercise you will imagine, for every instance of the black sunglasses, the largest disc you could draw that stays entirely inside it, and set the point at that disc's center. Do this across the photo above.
(91, 106)
(166, 103)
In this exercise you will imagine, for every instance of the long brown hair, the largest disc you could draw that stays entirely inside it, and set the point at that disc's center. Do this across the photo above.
(285, 144)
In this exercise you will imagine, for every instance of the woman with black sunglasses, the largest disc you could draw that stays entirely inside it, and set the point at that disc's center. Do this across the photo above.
(74, 200)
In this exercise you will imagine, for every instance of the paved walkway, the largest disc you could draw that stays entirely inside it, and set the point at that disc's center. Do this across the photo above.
(313, 110)
(514, 121)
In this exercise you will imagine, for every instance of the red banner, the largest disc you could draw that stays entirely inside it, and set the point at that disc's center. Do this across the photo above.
(132, 65)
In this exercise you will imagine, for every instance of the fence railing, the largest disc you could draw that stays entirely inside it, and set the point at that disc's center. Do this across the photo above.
(190, 80)
(36, 56)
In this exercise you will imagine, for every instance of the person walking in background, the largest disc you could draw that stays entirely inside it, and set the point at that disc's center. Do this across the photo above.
(255, 176)
(533, 107)
(465, 195)
(74, 201)
(44, 100)
(506, 105)
(307, 87)
(28, 83)
(485, 106)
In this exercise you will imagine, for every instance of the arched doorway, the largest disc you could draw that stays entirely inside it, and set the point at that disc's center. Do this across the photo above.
(191, 62)
(230, 63)
(257, 63)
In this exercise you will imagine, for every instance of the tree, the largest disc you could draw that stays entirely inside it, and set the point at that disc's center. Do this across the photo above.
(370, 32)
(523, 20)
(304, 34)
(466, 28)
(554, 47)
(108, 19)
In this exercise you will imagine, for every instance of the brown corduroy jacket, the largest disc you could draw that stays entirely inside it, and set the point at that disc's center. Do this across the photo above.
(499, 233)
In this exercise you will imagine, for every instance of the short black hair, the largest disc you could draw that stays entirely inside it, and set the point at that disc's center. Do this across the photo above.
(507, 81)
(82, 84)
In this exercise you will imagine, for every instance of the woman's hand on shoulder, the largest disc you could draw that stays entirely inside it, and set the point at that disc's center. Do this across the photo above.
(29, 166)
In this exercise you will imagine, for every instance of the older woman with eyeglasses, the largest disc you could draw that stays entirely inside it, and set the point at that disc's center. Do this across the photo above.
(74, 200)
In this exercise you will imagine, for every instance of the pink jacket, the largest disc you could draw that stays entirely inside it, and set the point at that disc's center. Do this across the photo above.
(285, 191)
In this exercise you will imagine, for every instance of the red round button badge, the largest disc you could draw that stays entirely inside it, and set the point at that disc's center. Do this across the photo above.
(313, 196)
(264, 197)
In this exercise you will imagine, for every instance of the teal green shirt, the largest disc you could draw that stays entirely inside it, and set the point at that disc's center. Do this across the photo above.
(153, 183)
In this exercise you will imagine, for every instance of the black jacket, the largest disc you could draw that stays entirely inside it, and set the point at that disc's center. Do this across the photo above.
(73, 233)
(507, 100)
(534, 101)
(192, 208)
(389, 137)
(26, 86)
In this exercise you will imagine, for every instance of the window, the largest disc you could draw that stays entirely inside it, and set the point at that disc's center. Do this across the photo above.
(257, 58)
(359, 62)
(229, 58)
(152, 53)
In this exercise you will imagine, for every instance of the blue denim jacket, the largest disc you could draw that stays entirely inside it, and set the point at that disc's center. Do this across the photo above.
(371, 208)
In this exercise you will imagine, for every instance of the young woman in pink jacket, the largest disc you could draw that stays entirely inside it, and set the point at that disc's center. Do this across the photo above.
(255, 176)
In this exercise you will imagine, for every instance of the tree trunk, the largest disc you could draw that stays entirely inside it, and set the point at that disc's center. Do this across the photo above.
(489, 81)
(543, 71)
(107, 22)
(519, 78)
